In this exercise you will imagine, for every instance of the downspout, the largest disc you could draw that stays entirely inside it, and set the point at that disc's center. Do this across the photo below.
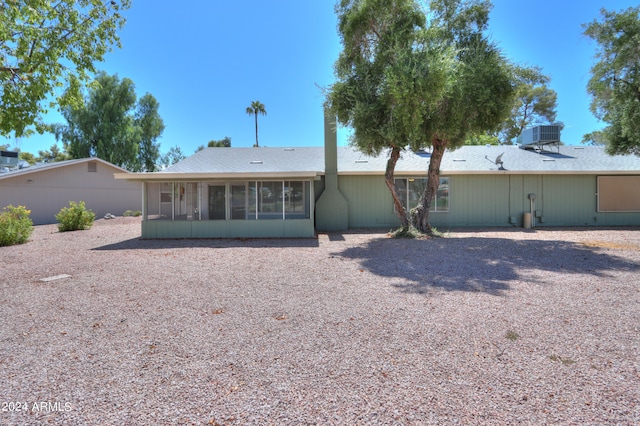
(532, 203)
(145, 200)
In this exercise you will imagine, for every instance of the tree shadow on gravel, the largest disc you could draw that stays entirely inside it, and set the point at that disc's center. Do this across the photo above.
(488, 265)
(151, 244)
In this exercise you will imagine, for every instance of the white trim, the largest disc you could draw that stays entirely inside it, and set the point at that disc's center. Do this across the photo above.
(421, 173)
(164, 176)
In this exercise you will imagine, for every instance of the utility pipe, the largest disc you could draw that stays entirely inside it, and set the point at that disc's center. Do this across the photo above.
(532, 202)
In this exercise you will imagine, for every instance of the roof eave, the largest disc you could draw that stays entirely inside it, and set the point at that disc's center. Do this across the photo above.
(163, 176)
(494, 172)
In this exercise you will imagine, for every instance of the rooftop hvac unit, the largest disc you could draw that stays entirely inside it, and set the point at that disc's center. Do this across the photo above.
(9, 158)
(538, 136)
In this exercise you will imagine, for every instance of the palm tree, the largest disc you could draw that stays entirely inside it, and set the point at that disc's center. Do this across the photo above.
(255, 108)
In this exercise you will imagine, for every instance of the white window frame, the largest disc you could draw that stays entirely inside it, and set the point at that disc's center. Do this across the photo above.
(434, 202)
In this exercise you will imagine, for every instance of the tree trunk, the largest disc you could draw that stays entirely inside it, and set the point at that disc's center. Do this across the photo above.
(389, 180)
(256, 114)
(421, 218)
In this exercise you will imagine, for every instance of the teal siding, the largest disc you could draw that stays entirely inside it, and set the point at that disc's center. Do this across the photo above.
(490, 200)
(370, 202)
(477, 201)
(569, 199)
(290, 228)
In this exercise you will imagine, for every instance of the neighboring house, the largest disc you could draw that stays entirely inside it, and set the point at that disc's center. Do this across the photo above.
(294, 192)
(46, 188)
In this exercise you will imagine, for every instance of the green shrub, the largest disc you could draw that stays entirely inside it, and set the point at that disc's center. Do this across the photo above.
(15, 225)
(134, 213)
(76, 217)
(410, 233)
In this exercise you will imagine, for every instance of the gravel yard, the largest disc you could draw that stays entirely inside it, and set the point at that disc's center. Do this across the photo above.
(485, 326)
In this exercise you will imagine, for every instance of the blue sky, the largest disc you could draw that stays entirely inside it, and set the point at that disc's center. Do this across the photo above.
(205, 61)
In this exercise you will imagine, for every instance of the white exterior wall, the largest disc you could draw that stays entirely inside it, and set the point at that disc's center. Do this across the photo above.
(46, 191)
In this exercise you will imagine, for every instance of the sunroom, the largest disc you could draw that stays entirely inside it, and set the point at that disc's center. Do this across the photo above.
(228, 208)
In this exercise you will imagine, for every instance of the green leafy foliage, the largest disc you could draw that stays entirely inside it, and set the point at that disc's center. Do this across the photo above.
(483, 140)
(379, 72)
(45, 46)
(28, 157)
(111, 125)
(222, 143)
(534, 103)
(52, 155)
(615, 80)
(132, 213)
(171, 157)
(409, 233)
(15, 225)
(416, 77)
(147, 119)
(512, 335)
(76, 217)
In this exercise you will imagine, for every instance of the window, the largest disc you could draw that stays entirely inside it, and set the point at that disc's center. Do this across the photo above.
(269, 200)
(618, 193)
(239, 201)
(186, 201)
(217, 202)
(295, 199)
(252, 200)
(279, 200)
(411, 189)
(173, 201)
(166, 200)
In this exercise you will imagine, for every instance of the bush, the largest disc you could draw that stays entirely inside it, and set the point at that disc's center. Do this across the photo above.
(410, 232)
(76, 217)
(15, 225)
(134, 213)
(414, 233)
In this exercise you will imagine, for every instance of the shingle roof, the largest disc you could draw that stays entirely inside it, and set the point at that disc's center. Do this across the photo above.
(252, 160)
(48, 166)
(565, 159)
(481, 160)
(309, 161)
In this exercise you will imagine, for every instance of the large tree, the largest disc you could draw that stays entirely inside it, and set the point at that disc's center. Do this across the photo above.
(615, 80)
(148, 120)
(378, 73)
(45, 46)
(110, 125)
(481, 93)
(171, 157)
(53, 154)
(254, 109)
(222, 143)
(418, 77)
(535, 103)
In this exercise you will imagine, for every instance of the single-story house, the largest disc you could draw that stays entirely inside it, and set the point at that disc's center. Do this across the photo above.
(294, 192)
(46, 188)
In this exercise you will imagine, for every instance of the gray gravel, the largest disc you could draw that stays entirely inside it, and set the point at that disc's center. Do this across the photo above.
(491, 326)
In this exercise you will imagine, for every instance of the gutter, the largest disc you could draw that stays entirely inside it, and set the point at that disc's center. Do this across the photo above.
(162, 176)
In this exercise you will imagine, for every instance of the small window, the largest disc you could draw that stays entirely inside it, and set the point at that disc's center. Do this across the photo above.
(411, 189)
(92, 167)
